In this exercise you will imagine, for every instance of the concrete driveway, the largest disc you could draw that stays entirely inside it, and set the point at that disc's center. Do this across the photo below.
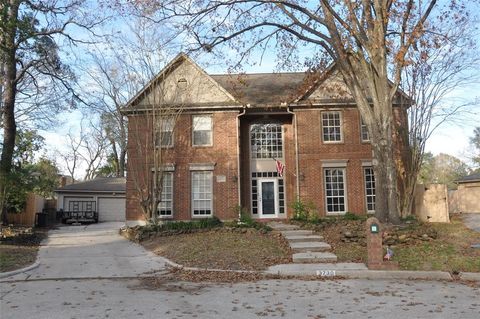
(472, 221)
(91, 251)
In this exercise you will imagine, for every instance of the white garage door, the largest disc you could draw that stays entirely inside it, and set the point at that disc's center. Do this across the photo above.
(111, 209)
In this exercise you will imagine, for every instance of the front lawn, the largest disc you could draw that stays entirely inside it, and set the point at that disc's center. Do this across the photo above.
(18, 248)
(416, 246)
(223, 248)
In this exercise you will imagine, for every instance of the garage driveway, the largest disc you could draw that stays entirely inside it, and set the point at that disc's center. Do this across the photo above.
(91, 251)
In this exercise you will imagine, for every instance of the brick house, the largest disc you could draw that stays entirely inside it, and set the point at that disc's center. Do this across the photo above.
(224, 146)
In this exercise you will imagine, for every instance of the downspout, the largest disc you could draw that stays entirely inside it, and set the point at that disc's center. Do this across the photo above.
(296, 150)
(238, 164)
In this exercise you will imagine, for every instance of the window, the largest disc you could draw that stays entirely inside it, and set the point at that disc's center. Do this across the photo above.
(335, 190)
(202, 130)
(370, 189)
(202, 193)
(332, 127)
(266, 141)
(364, 132)
(165, 207)
(165, 127)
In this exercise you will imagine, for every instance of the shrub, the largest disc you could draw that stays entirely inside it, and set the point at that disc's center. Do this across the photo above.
(304, 211)
(351, 216)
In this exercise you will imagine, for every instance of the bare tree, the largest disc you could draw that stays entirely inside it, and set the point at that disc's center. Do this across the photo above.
(433, 74)
(29, 58)
(368, 40)
(71, 158)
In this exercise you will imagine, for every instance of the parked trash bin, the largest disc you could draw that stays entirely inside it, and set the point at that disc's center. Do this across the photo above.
(41, 220)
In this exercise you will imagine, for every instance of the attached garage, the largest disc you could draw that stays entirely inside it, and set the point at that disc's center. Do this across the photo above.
(103, 195)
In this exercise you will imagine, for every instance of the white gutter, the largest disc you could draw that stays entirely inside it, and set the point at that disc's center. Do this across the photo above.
(296, 150)
(238, 164)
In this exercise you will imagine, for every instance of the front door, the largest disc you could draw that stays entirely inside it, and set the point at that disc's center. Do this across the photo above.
(268, 198)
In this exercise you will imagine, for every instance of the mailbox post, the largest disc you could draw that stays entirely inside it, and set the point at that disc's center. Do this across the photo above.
(374, 243)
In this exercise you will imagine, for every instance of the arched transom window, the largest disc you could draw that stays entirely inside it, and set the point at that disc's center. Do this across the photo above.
(266, 141)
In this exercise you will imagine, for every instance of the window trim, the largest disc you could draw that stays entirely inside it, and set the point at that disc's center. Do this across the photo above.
(345, 190)
(211, 130)
(365, 188)
(172, 132)
(341, 141)
(192, 208)
(361, 132)
(266, 158)
(169, 172)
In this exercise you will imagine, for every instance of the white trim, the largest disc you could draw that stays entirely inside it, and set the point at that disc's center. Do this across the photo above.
(260, 181)
(211, 130)
(202, 166)
(345, 191)
(192, 208)
(168, 167)
(340, 113)
(367, 163)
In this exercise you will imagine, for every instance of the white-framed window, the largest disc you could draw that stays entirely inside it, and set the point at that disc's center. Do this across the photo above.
(202, 193)
(165, 206)
(364, 132)
(369, 189)
(202, 130)
(335, 190)
(266, 141)
(332, 126)
(164, 136)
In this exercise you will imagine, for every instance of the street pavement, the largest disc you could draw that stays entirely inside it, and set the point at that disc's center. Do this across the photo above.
(92, 272)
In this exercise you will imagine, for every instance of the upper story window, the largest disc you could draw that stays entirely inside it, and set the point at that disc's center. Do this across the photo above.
(266, 141)
(164, 136)
(332, 126)
(364, 132)
(202, 130)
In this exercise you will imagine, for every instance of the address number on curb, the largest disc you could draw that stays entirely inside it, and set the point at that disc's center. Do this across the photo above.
(326, 273)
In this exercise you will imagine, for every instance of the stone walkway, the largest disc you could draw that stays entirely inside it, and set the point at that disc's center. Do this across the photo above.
(306, 246)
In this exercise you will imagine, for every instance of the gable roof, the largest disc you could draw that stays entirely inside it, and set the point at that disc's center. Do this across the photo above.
(469, 178)
(257, 89)
(103, 185)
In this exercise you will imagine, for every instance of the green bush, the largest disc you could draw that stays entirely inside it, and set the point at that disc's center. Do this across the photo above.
(304, 211)
(205, 223)
(351, 216)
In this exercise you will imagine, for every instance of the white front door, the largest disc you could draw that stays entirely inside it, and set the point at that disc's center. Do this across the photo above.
(268, 198)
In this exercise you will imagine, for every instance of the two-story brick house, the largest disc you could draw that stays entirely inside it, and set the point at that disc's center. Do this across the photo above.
(233, 130)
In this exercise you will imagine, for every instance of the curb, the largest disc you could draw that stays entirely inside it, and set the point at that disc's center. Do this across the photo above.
(18, 271)
(470, 276)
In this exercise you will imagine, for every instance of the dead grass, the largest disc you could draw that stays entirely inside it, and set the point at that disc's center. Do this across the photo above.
(449, 251)
(18, 250)
(222, 249)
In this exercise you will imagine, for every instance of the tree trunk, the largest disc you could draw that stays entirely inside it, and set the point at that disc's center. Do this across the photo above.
(8, 98)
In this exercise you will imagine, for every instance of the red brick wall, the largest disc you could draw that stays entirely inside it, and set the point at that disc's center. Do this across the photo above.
(223, 153)
(312, 150)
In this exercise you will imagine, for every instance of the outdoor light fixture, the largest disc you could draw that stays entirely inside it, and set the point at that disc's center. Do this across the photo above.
(374, 228)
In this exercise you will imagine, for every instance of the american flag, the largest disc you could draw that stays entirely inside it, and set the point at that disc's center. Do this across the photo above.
(280, 168)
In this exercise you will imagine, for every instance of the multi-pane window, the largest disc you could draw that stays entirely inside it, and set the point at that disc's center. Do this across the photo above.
(331, 126)
(202, 130)
(370, 188)
(164, 136)
(255, 190)
(335, 190)
(364, 132)
(202, 193)
(266, 141)
(165, 207)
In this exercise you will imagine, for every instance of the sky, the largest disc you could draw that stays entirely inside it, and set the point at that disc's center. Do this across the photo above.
(450, 138)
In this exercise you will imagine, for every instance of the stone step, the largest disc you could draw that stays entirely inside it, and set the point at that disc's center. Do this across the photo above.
(314, 257)
(304, 247)
(281, 226)
(303, 238)
(300, 232)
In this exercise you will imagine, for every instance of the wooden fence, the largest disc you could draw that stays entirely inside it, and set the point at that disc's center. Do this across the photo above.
(35, 204)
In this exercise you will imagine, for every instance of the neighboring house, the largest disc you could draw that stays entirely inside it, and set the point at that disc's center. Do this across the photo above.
(222, 150)
(466, 199)
(103, 195)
